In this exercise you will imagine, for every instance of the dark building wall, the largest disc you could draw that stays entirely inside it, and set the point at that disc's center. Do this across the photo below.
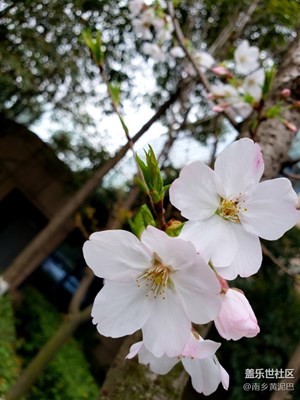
(34, 184)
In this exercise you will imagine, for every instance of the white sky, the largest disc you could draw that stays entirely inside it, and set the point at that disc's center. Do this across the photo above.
(184, 151)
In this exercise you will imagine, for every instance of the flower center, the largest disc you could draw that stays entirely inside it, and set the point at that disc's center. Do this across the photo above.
(156, 278)
(229, 209)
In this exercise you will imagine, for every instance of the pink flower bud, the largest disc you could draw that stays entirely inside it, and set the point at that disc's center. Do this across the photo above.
(236, 319)
(290, 126)
(219, 70)
(220, 107)
(285, 92)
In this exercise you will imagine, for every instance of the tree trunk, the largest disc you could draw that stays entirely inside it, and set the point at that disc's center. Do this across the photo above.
(22, 266)
(129, 380)
(273, 136)
(293, 364)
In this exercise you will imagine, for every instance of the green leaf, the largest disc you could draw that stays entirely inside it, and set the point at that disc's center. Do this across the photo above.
(152, 175)
(142, 219)
(269, 77)
(273, 111)
(248, 98)
(115, 91)
(94, 45)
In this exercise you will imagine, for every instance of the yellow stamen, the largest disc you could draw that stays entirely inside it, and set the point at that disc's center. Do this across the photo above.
(230, 209)
(157, 278)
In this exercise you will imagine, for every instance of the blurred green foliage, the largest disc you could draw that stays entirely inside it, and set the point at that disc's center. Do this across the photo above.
(67, 376)
(9, 362)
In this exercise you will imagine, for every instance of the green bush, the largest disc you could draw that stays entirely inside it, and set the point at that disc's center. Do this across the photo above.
(67, 377)
(9, 364)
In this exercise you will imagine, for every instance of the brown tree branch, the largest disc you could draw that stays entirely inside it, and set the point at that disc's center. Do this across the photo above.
(23, 265)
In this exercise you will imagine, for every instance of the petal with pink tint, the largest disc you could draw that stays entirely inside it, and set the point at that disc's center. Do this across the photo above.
(236, 319)
(239, 167)
(200, 348)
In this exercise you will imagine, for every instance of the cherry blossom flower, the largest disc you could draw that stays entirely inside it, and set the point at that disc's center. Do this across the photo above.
(177, 52)
(229, 209)
(154, 50)
(231, 98)
(236, 319)
(253, 83)
(155, 284)
(135, 7)
(142, 28)
(246, 58)
(221, 90)
(197, 358)
(204, 60)
(164, 28)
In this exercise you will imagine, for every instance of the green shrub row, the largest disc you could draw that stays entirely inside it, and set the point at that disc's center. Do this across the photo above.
(67, 376)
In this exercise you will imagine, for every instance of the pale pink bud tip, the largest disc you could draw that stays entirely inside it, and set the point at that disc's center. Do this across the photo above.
(236, 319)
(285, 92)
(220, 107)
(223, 282)
(221, 71)
(290, 126)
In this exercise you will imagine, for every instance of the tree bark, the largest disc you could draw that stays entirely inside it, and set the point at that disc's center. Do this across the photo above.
(273, 136)
(129, 380)
(21, 267)
(293, 364)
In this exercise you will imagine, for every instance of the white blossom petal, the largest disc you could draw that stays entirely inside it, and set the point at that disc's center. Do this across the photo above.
(194, 192)
(239, 166)
(173, 252)
(271, 209)
(206, 374)
(120, 309)
(254, 82)
(246, 58)
(158, 365)
(116, 255)
(177, 52)
(200, 348)
(213, 238)
(248, 258)
(168, 329)
(199, 285)
(134, 349)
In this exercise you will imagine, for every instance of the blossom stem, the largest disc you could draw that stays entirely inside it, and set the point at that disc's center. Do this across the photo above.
(160, 215)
